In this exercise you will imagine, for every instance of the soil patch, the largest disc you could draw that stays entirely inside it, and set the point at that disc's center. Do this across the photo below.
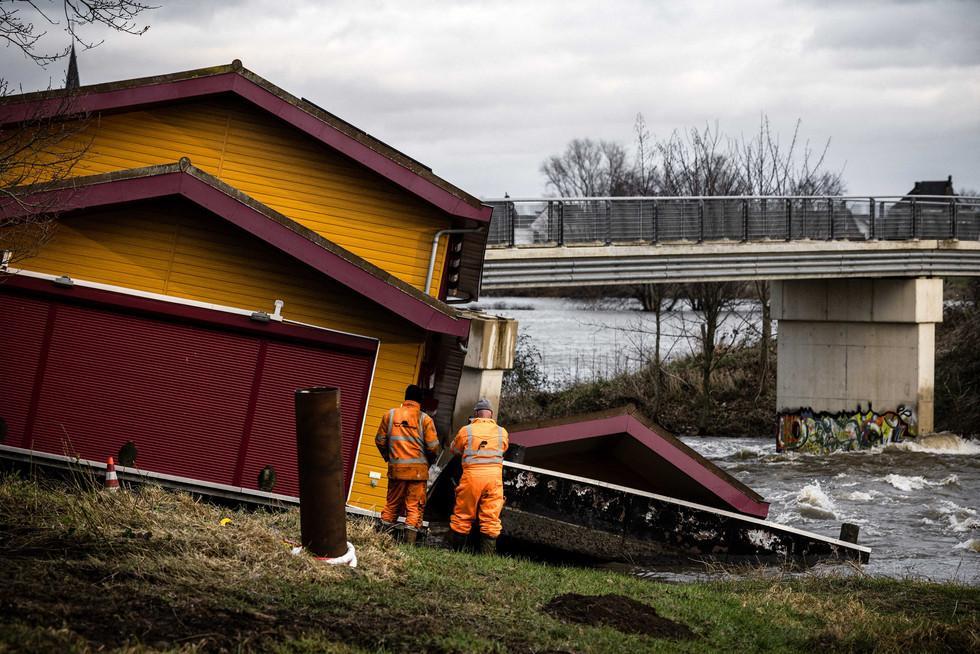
(616, 611)
(110, 607)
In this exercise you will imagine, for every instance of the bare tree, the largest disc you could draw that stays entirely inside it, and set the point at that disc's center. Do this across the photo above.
(698, 163)
(770, 168)
(705, 162)
(654, 298)
(45, 147)
(24, 23)
(712, 301)
(587, 168)
(646, 173)
(35, 151)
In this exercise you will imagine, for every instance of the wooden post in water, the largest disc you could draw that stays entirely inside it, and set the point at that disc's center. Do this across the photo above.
(849, 532)
(323, 520)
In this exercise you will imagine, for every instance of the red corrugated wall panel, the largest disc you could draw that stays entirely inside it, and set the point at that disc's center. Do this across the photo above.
(180, 391)
(22, 323)
(273, 440)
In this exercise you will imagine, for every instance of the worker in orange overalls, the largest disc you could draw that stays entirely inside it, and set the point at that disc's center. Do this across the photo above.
(407, 440)
(480, 493)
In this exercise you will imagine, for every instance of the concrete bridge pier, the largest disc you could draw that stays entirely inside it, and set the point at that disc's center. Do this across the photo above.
(856, 361)
(490, 352)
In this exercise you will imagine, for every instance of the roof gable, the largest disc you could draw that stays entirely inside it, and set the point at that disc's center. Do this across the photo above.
(330, 130)
(645, 452)
(183, 179)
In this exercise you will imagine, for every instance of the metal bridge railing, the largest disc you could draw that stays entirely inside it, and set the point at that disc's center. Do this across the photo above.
(549, 222)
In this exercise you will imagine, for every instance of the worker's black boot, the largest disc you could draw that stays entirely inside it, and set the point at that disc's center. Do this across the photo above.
(411, 535)
(456, 540)
(488, 545)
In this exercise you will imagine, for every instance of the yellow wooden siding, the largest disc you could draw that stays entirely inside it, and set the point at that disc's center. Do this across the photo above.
(174, 248)
(282, 168)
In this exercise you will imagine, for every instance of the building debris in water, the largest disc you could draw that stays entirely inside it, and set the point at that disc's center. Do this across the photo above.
(613, 485)
(622, 446)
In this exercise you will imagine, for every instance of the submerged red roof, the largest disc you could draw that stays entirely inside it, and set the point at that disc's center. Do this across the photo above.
(621, 446)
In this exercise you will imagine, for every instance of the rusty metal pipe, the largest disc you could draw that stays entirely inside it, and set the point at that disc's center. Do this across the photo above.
(323, 519)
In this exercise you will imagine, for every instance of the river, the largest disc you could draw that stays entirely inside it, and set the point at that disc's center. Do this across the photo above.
(916, 503)
(579, 340)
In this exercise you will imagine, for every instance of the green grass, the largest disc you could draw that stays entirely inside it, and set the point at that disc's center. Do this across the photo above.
(151, 570)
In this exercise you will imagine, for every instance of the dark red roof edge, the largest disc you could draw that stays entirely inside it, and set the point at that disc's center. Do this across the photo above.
(305, 116)
(237, 322)
(254, 217)
(705, 473)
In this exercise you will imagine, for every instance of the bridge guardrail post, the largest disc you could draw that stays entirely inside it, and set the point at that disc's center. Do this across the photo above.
(656, 222)
(803, 205)
(952, 213)
(551, 222)
(765, 218)
(745, 220)
(608, 212)
(871, 218)
(561, 224)
(701, 220)
(789, 220)
(915, 222)
(830, 215)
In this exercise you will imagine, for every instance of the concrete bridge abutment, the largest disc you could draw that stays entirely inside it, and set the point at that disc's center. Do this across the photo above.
(856, 360)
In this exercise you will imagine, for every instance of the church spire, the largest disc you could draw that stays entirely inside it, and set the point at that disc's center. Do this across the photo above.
(71, 79)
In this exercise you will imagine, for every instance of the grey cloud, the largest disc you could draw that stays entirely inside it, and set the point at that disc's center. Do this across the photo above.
(484, 91)
(907, 34)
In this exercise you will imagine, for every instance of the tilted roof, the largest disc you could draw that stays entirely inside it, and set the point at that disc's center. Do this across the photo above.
(302, 114)
(184, 180)
(653, 459)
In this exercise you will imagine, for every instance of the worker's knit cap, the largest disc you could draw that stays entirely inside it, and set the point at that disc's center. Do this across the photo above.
(483, 405)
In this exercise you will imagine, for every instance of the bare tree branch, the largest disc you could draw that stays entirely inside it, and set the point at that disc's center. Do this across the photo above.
(45, 147)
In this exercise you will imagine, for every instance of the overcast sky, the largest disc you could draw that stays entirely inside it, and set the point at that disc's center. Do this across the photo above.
(483, 91)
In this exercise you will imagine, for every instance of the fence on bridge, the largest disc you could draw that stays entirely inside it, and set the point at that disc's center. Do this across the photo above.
(596, 221)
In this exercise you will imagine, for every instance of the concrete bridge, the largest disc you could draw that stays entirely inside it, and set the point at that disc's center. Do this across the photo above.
(857, 286)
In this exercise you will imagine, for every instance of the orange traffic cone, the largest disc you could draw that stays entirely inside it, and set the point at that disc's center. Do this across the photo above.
(111, 481)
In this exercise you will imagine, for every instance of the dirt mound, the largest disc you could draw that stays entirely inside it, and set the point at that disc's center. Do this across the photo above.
(616, 611)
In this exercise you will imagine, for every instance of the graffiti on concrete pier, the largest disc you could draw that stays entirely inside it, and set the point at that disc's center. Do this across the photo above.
(819, 432)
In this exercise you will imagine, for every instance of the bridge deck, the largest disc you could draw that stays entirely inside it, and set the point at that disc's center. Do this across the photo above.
(603, 241)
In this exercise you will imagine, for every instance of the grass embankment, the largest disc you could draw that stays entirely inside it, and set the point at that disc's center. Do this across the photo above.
(738, 405)
(153, 570)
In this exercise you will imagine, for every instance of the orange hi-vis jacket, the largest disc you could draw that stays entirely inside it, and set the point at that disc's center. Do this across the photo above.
(481, 443)
(480, 493)
(404, 436)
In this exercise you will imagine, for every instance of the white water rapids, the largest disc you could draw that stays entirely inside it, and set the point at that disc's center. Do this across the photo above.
(916, 503)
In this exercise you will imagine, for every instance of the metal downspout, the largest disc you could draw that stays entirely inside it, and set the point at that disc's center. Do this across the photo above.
(435, 249)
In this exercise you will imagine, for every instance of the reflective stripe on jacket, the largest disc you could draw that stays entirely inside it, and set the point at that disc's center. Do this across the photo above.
(482, 442)
(404, 436)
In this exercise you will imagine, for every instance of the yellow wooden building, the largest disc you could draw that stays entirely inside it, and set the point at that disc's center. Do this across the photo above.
(219, 243)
